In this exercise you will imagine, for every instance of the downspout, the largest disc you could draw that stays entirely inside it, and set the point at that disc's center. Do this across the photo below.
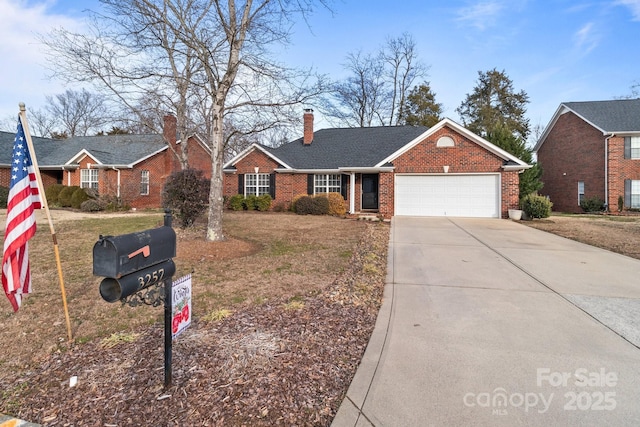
(352, 193)
(606, 171)
(117, 181)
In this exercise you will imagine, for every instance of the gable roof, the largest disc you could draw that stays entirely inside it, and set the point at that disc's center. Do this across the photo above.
(353, 148)
(107, 150)
(620, 116)
(347, 147)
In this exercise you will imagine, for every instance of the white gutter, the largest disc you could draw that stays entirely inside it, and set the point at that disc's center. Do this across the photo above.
(344, 170)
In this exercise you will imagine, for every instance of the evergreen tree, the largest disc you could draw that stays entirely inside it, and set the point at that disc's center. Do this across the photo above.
(505, 139)
(421, 108)
(493, 103)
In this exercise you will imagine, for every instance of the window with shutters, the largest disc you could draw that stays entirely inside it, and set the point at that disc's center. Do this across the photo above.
(632, 193)
(632, 147)
(326, 183)
(256, 184)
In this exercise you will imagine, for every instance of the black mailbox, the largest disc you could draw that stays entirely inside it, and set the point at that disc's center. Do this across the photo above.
(117, 256)
(112, 289)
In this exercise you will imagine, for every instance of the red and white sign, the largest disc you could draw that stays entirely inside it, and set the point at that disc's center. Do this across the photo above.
(181, 305)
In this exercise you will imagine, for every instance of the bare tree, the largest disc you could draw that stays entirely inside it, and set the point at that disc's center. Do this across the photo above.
(205, 60)
(376, 91)
(358, 100)
(42, 123)
(77, 113)
(403, 69)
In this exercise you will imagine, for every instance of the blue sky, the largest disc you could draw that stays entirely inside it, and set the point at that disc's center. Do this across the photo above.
(556, 51)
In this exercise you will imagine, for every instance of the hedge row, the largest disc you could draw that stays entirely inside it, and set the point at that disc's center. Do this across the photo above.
(320, 204)
(250, 203)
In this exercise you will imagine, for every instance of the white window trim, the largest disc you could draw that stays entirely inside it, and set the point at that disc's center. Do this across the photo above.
(636, 194)
(144, 182)
(635, 147)
(580, 191)
(326, 187)
(262, 183)
(89, 178)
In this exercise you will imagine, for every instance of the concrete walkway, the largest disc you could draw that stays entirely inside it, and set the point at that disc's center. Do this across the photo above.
(491, 323)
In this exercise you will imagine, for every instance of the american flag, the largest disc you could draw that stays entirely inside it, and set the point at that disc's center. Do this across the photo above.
(24, 198)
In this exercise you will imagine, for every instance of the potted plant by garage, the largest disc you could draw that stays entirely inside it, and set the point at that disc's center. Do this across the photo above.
(515, 214)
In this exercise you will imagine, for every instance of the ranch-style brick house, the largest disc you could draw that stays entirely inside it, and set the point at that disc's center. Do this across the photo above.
(445, 170)
(131, 167)
(592, 149)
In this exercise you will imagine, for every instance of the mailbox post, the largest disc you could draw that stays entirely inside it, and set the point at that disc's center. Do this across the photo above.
(137, 267)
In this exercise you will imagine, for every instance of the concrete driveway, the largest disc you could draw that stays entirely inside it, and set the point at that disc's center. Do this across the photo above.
(490, 322)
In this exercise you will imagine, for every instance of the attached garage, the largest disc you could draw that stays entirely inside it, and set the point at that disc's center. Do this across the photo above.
(462, 195)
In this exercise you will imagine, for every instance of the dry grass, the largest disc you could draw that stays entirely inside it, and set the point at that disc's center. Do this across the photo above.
(266, 256)
(619, 234)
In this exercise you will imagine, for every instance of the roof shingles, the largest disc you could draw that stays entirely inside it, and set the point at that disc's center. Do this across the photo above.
(108, 149)
(346, 147)
(622, 115)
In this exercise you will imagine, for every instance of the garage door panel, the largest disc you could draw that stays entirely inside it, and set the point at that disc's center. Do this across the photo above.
(447, 195)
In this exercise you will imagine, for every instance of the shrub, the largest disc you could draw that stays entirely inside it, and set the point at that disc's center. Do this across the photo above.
(112, 203)
(64, 197)
(294, 200)
(187, 192)
(336, 203)
(592, 204)
(4, 196)
(536, 206)
(280, 207)
(620, 203)
(79, 196)
(263, 203)
(308, 205)
(251, 202)
(91, 205)
(52, 192)
(236, 202)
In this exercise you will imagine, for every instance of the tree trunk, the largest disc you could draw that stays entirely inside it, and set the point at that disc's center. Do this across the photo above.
(216, 205)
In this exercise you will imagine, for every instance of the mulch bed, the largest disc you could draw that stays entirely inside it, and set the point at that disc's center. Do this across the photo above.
(276, 363)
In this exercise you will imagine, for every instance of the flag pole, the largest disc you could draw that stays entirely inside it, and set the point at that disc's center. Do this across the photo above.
(43, 198)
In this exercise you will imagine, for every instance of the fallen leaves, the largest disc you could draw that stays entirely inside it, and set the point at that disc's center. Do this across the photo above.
(264, 364)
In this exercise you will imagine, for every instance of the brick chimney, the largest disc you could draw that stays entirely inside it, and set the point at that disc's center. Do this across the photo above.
(170, 129)
(169, 132)
(307, 138)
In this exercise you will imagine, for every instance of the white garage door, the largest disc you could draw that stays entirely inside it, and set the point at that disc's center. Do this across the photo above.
(448, 195)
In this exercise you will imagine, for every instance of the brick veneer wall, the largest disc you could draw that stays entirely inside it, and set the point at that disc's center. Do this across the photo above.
(464, 157)
(160, 167)
(572, 152)
(619, 169)
(288, 185)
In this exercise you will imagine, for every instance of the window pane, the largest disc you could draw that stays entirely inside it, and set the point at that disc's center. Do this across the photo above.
(89, 178)
(334, 183)
(144, 182)
(635, 194)
(256, 184)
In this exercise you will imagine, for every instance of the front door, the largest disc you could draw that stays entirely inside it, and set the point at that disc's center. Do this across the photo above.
(370, 191)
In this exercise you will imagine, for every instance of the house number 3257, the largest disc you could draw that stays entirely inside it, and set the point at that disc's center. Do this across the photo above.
(151, 278)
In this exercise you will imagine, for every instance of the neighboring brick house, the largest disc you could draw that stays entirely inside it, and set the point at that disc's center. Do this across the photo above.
(132, 167)
(445, 170)
(592, 149)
